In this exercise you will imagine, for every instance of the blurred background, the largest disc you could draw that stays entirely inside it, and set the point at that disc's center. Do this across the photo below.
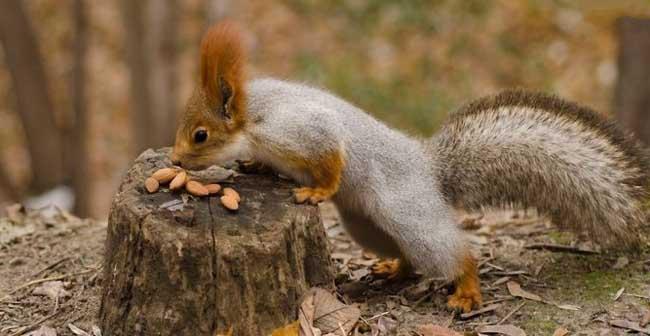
(85, 86)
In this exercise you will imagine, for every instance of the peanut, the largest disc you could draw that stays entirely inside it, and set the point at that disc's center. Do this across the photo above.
(232, 193)
(196, 188)
(213, 188)
(178, 181)
(229, 202)
(151, 184)
(164, 175)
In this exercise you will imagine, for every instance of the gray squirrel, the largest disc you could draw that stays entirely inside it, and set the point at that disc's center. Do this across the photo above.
(396, 193)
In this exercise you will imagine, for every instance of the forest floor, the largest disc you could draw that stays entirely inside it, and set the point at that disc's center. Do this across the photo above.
(50, 276)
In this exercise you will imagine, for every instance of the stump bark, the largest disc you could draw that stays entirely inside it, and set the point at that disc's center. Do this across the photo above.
(201, 270)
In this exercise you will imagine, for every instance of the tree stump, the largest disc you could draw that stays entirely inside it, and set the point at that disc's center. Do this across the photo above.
(202, 270)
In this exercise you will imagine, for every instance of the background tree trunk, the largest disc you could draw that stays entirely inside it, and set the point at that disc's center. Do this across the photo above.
(32, 97)
(199, 269)
(78, 146)
(151, 56)
(632, 99)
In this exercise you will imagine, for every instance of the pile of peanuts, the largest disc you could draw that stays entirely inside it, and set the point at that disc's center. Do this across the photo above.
(178, 178)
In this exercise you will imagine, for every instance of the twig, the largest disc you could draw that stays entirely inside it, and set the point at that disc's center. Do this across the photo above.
(511, 312)
(637, 296)
(475, 313)
(54, 278)
(560, 248)
(60, 261)
(35, 324)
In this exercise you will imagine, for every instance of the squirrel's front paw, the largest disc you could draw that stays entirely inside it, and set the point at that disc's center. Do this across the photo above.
(313, 195)
(392, 269)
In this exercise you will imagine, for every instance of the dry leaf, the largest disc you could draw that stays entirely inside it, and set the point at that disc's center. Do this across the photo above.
(560, 332)
(436, 330)
(329, 315)
(96, 331)
(306, 317)
(515, 290)
(76, 330)
(43, 331)
(629, 325)
(568, 307)
(505, 329)
(288, 330)
(52, 289)
(619, 293)
(645, 319)
(385, 326)
(621, 262)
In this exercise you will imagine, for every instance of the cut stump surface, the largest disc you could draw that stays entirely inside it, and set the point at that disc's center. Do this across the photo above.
(202, 269)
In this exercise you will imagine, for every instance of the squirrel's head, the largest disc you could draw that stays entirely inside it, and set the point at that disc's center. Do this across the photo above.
(211, 126)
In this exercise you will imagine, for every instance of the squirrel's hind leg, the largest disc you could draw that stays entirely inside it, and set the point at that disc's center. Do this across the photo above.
(467, 294)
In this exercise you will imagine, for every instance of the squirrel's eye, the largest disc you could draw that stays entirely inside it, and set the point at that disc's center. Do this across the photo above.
(200, 136)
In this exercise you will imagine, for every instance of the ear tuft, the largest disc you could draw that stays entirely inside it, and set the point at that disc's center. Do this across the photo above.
(222, 59)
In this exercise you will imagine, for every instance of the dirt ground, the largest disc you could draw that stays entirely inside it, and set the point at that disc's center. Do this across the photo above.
(585, 293)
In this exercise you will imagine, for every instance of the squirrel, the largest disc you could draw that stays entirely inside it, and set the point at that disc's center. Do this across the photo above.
(396, 193)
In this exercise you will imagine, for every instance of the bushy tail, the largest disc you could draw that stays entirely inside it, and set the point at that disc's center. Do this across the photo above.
(533, 150)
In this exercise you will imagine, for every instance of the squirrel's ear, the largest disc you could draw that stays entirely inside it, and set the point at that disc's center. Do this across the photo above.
(222, 62)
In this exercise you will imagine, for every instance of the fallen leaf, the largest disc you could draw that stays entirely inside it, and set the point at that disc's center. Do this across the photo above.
(43, 331)
(568, 307)
(435, 330)
(332, 316)
(515, 290)
(306, 317)
(560, 332)
(385, 326)
(52, 289)
(96, 331)
(500, 281)
(619, 293)
(288, 330)
(506, 329)
(629, 325)
(621, 262)
(645, 319)
(76, 330)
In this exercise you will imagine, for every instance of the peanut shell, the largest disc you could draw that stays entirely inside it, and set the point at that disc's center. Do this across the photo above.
(213, 188)
(151, 184)
(164, 175)
(229, 202)
(196, 188)
(232, 193)
(178, 181)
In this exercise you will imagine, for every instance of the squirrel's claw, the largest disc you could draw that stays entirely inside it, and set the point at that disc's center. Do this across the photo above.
(313, 195)
(464, 301)
(391, 269)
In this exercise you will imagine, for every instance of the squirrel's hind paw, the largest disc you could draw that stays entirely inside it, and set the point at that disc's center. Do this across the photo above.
(313, 195)
(464, 301)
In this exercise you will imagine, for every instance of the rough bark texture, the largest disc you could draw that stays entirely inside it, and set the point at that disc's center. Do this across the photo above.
(633, 90)
(202, 270)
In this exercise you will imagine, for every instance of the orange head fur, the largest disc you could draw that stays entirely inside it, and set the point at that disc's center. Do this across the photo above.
(216, 112)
